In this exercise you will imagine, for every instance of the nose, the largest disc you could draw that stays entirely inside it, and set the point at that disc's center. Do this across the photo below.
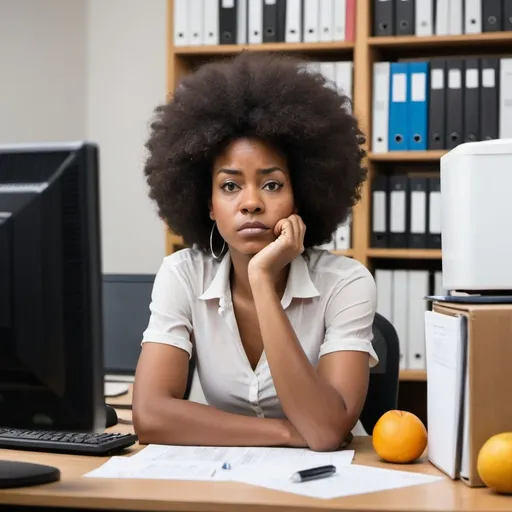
(251, 201)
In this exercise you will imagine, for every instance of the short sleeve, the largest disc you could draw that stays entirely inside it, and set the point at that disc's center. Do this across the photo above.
(349, 317)
(170, 321)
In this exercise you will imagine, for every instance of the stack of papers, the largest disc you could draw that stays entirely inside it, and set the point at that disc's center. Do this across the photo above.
(266, 467)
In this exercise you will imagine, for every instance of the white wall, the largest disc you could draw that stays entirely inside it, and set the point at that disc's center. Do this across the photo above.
(42, 70)
(126, 79)
(94, 69)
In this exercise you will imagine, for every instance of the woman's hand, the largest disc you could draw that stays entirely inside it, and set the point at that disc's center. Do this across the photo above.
(289, 244)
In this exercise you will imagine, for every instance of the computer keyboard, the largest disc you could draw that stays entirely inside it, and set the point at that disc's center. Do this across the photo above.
(65, 442)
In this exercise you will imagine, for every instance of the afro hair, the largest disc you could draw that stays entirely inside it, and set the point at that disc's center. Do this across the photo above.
(273, 98)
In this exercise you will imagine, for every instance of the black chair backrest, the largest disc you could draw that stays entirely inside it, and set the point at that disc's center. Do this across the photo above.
(383, 388)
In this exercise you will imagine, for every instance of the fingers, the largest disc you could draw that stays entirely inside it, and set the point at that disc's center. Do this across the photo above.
(293, 230)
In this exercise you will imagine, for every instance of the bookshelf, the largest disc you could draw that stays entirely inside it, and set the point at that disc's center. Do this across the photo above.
(363, 51)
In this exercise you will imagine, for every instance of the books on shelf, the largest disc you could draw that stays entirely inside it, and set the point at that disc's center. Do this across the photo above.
(439, 103)
(440, 17)
(214, 22)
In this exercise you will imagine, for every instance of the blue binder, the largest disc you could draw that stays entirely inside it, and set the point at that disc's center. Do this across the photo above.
(398, 106)
(418, 89)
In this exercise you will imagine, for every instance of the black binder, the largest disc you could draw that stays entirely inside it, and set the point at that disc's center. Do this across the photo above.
(472, 100)
(418, 193)
(384, 17)
(507, 14)
(489, 97)
(227, 21)
(380, 211)
(281, 21)
(397, 205)
(492, 15)
(454, 102)
(437, 104)
(404, 19)
(269, 21)
(433, 217)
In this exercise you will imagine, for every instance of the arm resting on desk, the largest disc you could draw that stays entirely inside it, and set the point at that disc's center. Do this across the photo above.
(161, 416)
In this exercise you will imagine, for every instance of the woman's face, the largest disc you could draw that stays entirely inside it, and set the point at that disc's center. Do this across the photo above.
(251, 192)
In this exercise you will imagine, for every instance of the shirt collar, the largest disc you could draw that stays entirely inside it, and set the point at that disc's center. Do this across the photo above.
(299, 284)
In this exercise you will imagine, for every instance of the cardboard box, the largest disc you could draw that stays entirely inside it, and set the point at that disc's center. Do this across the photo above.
(486, 390)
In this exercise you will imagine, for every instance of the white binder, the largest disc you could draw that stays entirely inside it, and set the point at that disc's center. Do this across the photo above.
(340, 20)
(241, 22)
(455, 17)
(211, 22)
(380, 121)
(311, 21)
(442, 17)
(255, 23)
(400, 313)
(417, 290)
(505, 107)
(195, 22)
(293, 29)
(328, 69)
(342, 236)
(384, 285)
(326, 20)
(424, 17)
(180, 26)
(472, 16)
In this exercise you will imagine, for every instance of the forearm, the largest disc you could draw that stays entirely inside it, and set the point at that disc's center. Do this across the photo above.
(181, 422)
(311, 404)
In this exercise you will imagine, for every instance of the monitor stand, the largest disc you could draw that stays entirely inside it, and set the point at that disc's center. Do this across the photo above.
(23, 474)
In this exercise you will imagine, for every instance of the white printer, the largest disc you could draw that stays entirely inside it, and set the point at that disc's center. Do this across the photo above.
(476, 216)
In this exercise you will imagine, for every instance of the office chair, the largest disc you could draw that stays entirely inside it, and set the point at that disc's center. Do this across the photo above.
(382, 393)
(383, 388)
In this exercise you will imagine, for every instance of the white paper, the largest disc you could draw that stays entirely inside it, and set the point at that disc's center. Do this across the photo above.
(239, 456)
(445, 356)
(348, 480)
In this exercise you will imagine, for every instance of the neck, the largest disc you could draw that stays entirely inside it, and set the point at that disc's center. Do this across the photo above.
(240, 279)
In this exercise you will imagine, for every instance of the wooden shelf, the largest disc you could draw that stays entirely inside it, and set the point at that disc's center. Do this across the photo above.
(413, 375)
(405, 254)
(231, 49)
(459, 41)
(407, 156)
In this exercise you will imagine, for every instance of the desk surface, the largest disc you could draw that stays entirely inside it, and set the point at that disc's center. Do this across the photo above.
(150, 495)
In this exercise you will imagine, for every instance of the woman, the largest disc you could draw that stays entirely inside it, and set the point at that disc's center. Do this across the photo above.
(255, 162)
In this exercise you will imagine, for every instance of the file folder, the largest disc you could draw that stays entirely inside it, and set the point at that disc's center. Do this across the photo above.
(384, 286)
(255, 21)
(380, 211)
(180, 25)
(417, 236)
(380, 111)
(401, 313)
(311, 19)
(472, 100)
(455, 17)
(442, 16)
(384, 17)
(492, 15)
(404, 18)
(326, 20)
(505, 108)
(293, 21)
(350, 20)
(195, 23)
(340, 20)
(507, 14)
(489, 99)
(398, 198)
(418, 105)
(434, 213)
(424, 17)
(437, 104)
(241, 23)
(454, 103)
(211, 22)
(269, 21)
(281, 20)
(228, 21)
(417, 287)
(473, 16)
(398, 116)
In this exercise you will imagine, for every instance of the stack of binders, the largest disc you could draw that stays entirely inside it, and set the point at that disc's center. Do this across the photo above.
(400, 299)
(441, 103)
(440, 17)
(214, 22)
(406, 211)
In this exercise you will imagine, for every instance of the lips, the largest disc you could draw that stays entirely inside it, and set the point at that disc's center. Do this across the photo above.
(252, 228)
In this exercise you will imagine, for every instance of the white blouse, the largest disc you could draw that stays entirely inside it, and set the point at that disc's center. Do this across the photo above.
(330, 301)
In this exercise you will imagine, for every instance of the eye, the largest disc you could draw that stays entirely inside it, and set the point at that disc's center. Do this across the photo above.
(229, 186)
(272, 186)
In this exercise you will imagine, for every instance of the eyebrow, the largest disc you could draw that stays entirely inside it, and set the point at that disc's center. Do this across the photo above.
(237, 172)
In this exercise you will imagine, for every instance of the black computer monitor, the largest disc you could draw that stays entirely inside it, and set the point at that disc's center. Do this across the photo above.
(51, 359)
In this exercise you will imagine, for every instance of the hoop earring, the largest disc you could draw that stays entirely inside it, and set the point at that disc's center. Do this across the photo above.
(211, 244)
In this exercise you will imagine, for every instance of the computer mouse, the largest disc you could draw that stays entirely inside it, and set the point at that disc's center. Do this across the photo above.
(111, 416)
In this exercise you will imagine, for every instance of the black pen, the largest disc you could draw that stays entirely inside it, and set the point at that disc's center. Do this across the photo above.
(314, 473)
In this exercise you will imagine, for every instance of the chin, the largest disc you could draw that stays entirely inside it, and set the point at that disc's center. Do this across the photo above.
(252, 247)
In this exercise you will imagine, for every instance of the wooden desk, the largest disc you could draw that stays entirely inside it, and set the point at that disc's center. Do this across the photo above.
(74, 491)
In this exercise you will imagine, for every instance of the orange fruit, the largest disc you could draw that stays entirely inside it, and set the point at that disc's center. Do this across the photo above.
(399, 436)
(494, 463)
